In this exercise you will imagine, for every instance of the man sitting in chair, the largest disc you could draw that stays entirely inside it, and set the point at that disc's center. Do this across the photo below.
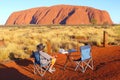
(40, 48)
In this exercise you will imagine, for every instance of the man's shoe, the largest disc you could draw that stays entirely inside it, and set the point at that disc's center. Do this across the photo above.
(51, 70)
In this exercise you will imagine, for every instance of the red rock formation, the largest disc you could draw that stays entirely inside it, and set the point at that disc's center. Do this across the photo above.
(59, 14)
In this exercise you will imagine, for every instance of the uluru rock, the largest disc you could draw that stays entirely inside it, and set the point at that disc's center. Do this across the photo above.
(59, 14)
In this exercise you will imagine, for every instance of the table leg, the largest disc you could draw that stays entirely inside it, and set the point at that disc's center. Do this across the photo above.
(67, 60)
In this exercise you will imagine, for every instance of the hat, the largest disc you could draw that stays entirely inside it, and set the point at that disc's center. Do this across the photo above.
(40, 46)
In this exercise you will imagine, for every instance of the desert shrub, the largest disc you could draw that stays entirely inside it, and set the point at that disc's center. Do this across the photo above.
(4, 54)
(93, 21)
(105, 25)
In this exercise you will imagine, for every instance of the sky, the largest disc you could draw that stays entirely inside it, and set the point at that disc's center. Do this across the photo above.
(9, 6)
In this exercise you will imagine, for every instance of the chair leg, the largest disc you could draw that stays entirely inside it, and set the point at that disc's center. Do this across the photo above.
(88, 64)
(35, 69)
(92, 65)
(41, 74)
(82, 66)
(39, 69)
(78, 64)
(44, 71)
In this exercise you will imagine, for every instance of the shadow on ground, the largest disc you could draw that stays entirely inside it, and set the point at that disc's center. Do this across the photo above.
(7, 73)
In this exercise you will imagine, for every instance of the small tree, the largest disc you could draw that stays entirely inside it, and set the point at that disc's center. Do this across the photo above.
(105, 24)
(93, 21)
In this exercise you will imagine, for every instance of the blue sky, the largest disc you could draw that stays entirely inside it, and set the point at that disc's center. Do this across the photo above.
(9, 6)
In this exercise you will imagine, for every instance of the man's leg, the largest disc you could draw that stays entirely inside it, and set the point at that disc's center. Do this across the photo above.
(52, 64)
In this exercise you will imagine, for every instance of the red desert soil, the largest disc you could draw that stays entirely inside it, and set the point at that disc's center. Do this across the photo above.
(106, 67)
(59, 14)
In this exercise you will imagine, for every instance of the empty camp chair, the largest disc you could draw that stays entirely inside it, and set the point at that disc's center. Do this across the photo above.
(85, 60)
(42, 62)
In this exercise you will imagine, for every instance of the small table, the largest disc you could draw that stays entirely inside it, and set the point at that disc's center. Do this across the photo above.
(69, 58)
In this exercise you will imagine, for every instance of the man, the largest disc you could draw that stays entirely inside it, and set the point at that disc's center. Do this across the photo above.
(40, 48)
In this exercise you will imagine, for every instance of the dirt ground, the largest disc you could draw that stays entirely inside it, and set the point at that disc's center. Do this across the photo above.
(106, 67)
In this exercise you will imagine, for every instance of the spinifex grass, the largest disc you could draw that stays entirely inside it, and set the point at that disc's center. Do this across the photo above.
(21, 41)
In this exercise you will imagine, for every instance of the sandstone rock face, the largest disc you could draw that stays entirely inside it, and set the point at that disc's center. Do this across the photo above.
(59, 14)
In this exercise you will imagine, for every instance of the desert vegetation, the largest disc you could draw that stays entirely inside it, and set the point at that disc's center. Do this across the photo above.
(20, 41)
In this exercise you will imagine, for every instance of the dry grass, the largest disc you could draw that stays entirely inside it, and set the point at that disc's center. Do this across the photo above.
(22, 40)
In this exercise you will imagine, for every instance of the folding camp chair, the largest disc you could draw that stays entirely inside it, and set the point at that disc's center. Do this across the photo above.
(42, 63)
(85, 60)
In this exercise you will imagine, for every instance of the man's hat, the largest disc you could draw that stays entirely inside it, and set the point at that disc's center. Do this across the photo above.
(40, 46)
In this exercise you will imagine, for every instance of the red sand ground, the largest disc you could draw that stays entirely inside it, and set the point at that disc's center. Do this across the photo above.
(106, 67)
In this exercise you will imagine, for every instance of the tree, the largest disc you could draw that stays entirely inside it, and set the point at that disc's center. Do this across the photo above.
(105, 24)
(93, 21)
